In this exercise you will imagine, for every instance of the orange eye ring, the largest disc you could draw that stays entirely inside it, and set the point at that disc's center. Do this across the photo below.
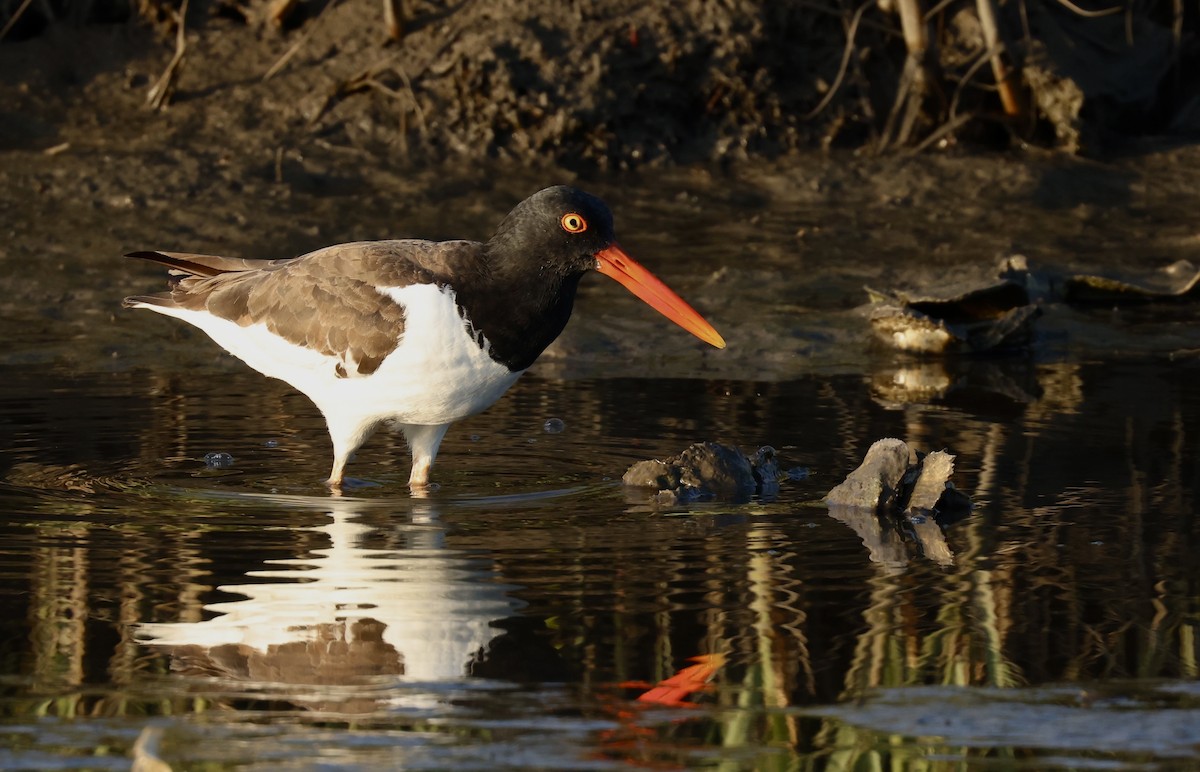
(573, 222)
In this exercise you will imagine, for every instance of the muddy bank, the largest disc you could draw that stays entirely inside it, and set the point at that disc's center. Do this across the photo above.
(598, 84)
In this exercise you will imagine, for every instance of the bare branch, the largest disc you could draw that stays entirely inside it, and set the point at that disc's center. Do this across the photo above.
(1089, 14)
(282, 61)
(12, 20)
(160, 92)
(847, 52)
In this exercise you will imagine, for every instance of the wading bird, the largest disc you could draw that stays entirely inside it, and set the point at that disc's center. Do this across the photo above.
(418, 334)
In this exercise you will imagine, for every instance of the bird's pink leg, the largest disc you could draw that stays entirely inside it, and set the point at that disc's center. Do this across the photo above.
(336, 475)
(347, 438)
(423, 441)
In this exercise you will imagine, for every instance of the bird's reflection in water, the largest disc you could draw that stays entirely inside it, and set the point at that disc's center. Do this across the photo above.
(348, 615)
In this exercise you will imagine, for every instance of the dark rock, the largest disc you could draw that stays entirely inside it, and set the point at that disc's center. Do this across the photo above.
(877, 480)
(1177, 282)
(765, 466)
(965, 318)
(889, 482)
(706, 470)
(930, 482)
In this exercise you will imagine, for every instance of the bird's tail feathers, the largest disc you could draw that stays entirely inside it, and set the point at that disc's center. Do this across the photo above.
(144, 301)
(188, 264)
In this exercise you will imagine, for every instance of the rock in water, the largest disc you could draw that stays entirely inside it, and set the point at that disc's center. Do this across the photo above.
(704, 470)
(877, 480)
(963, 317)
(930, 484)
(889, 500)
(889, 481)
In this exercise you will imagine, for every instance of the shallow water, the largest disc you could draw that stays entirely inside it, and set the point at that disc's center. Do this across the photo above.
(511, 619)
(521, 616)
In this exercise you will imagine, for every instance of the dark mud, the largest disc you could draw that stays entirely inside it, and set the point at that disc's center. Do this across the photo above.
(598, 84)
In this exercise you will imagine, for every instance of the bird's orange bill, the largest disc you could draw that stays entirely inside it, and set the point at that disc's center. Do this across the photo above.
(613, 262)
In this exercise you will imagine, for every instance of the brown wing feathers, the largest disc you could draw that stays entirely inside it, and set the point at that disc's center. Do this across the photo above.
(327, 301)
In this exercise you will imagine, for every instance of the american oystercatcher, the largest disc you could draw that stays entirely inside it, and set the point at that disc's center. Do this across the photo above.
(414, 333)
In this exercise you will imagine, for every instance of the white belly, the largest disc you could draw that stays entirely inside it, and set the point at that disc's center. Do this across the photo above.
(436, 375)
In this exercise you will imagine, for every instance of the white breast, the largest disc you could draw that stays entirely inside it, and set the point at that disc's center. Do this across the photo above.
(440, 370)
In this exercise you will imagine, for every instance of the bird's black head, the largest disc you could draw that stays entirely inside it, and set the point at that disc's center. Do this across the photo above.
(534, 263)
(556, 230)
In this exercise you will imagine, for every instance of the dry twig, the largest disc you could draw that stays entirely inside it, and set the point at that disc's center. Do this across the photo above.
(847, 53)
(949, 127)
(914, 80)
(1089, 14)
(1006, 80)
(12, 20)
(393, 18)
(975, 67)
(351, 85)
(282, 61)
(160, 92)
(280, 10)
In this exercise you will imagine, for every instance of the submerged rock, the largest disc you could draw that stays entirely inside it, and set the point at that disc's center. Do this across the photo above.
(963, 318)
(707, 470)
(998, 313)
(218, 460)
(1179, 281)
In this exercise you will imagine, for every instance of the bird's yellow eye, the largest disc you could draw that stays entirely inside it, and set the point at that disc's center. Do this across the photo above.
(573, 223)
